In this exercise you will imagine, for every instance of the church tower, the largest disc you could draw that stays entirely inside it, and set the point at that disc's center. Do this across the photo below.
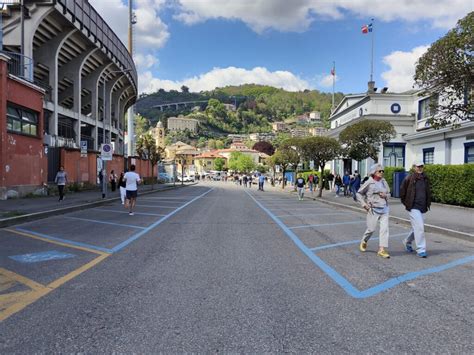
(159, 134)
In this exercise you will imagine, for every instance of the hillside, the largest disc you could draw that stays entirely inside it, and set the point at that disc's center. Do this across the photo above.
(258, 106)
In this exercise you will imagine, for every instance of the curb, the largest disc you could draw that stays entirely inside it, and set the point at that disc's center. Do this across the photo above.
(40, 215)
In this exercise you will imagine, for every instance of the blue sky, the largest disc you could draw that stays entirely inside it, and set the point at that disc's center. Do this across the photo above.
(291, 44)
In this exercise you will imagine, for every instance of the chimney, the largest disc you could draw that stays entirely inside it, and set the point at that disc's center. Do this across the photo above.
(371, 87)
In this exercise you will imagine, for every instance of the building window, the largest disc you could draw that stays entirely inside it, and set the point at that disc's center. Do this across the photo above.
(469, 153)
(428, 156)
(20, 120)
(427, 107)
(394, 155)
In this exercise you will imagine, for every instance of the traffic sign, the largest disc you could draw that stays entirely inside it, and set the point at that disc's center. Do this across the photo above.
(106, 151)
(83, 149)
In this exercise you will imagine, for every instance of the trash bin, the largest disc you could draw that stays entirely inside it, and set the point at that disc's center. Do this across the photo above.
(398, 178)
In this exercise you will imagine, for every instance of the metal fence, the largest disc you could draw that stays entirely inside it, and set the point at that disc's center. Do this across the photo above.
(20, 65)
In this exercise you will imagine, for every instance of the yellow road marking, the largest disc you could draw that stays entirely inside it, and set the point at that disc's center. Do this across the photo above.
(54, 241)
(16, 301)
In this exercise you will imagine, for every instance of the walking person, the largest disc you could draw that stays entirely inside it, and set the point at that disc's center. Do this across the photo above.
(113, 180)
(355, 185)
(346, 179)
(122, 186)
(311, 183)
(261, 181)
(132, 180)
(300, 183)
(330, 179)
(373, 196)
(61, 181)
(415, 194)
(338, 184)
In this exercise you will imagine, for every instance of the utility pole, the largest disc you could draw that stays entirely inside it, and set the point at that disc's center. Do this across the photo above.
(131, 110)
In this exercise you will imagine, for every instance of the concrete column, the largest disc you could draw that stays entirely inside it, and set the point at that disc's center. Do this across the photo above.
(91, 82)
(109, 87)
(48, 54)
(447, 151)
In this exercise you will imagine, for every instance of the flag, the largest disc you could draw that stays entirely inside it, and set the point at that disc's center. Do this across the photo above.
(333, 72)
(367, 28)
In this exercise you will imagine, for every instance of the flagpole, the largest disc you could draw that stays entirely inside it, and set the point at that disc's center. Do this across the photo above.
(372, 55)
(333, 83)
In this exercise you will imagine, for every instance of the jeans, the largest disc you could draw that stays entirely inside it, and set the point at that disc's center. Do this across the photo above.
(61, 192)
(417, 231)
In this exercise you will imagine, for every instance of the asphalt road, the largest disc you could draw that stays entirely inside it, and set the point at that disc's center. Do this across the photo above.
(219, 268)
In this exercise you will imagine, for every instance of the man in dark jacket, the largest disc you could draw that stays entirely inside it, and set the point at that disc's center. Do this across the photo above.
(415, 194)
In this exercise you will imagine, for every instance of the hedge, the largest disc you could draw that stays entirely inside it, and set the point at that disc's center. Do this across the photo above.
(452, 184)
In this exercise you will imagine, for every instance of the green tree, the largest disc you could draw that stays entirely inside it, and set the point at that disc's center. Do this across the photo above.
(320, 150)
(219, 144)
(284, 157)
(141, 125)
(147, 149)
(363, 139)
(184, 89)
(233, 161)
(211, 144)
(241, 162)
(219, 164)
(446, 71)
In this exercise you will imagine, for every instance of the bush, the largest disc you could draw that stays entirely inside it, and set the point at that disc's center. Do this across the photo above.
(452, 184)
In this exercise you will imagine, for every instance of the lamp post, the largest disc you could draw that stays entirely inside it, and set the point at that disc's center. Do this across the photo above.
(104, 140)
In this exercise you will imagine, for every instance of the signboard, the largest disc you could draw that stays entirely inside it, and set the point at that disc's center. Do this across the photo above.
(311, 164)
(106, 151)
(83, 149)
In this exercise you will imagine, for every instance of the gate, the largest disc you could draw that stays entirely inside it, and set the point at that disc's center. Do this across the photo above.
(54, 161)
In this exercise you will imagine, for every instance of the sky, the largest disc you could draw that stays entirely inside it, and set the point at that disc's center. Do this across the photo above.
(292, 44)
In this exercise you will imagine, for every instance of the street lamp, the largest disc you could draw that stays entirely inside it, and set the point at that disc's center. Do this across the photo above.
(104, 140)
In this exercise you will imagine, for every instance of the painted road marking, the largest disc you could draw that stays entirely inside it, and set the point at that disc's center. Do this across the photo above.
(43, 256)
(329, 246)
(60, 241)
(326, 224)
(15, 302)
(311, 214)
(105, 222)
(155, 206)
(342, 281)
(126, 212)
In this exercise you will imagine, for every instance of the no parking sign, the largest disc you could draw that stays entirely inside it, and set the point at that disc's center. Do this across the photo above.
(106, 151)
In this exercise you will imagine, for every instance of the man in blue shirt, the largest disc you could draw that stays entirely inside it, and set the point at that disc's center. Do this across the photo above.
(261, 180)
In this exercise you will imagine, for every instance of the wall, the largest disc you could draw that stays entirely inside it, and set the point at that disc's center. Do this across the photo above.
(22, 158)
(142, 167)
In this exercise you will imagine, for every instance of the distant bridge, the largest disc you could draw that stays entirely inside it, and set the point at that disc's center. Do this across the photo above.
(176, 105)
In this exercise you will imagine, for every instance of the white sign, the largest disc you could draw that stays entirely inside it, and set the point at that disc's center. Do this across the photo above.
(106, 151)
(311, 164)
(83, 149)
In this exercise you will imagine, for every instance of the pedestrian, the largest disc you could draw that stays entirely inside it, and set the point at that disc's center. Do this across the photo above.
(261, 181)
(244, 179)
(330, 179)
(373, 196)
(249, 180)
(338, 184)
(132, 180)
(122, 186)
(346, 180)
(316, 182)
(415, 194)
(355, 185)
(113, 180)
(310, 182)
(300, 183)
(61, 181)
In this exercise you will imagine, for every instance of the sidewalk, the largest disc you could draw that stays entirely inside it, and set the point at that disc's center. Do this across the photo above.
(14, 211)
(446, 219)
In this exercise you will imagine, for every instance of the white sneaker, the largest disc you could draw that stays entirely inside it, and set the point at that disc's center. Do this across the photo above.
(131, 213)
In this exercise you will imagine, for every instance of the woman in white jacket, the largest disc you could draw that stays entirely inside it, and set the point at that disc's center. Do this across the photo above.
(373, 196)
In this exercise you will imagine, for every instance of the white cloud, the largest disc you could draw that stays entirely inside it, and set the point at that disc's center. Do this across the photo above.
(145, 61)
(399, 77)
(220, 77)
(297, 15)
(150, 33)
(326, 80)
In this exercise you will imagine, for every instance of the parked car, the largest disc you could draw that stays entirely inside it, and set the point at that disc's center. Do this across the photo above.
(186, 178)
(165, 177)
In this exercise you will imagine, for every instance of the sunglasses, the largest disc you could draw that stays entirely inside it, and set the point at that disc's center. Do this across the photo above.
(380, 171)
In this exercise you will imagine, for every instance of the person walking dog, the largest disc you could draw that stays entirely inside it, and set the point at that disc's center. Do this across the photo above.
(373, 196)
(415, 194)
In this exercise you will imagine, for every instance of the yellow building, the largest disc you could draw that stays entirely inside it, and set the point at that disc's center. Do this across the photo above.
(205, 161)
(182, 155)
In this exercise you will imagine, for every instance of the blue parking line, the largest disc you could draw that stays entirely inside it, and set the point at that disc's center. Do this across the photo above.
(328, 246)
(325, 224)
(149, 228)
(104, 222)
(310, 214)
(341, 281)
(65, 241)
(126, 212)
(41, 256)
